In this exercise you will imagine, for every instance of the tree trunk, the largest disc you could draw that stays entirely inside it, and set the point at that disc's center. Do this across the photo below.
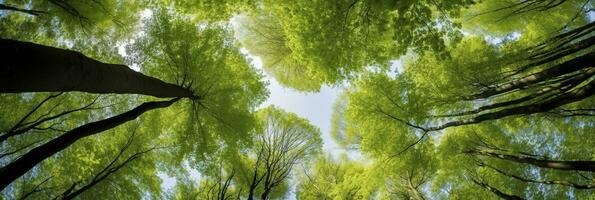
(12, 8)
(543, 163)
(22, 165)
(549, 182)
(29, 67)
(265, 194)
(251, 194)
(565, 98)
(567, 67)
(496, 191)
(416, 194)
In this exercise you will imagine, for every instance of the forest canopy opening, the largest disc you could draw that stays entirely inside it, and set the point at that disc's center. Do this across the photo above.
(297, 99)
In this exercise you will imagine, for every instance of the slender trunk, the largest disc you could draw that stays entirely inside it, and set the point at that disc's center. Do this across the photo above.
(566, 98)
(255, 179)
(543, 163)
(559, 52)
(496, 191)
(567, 67)
(22, 165)
(549, 182)
(416, 194)
(251, 194)
(563, 86)
(265, 194)
(12, 8)
(252, 188)
(29, 67)
(223, 192)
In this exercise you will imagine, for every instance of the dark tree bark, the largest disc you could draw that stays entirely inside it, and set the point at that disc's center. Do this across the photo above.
(29, 67)
(496, 191)
(22, 165)
(266, 193)
(580, 165)
(541, 107)
(256, 179)
(219, 189)
(26, 11)
(567, 67)
(549, 182)
(563, 99)
(550, 90)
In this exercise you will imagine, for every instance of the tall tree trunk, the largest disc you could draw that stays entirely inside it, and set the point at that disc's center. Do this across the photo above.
(567, 67)
(12, 8)
(22, 165)
(540, 107)
(543, 163)
(496, 191)
(549, 182)
(29, 67)
(414, 190)
(575, 95)
(252, 187)
(265, 194)
(251, 194)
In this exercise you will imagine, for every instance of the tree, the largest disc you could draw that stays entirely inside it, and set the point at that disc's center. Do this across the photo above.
(549, 89)
(119, 160)
(286, 140)
(26, 162)
(539, 162)
(215, 185)
(519, 92)
(539, 18)
(223, 62)
(283, 141)
(512, 137)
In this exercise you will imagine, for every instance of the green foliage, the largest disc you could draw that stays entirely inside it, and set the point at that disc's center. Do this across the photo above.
(229, 90)
(281, 142)
(205, 10)
(72, 20)
(444, 127)
(84, 160)
(325, 42)
(535, 20)
(338, 125)
(204, 58)
(335, 179)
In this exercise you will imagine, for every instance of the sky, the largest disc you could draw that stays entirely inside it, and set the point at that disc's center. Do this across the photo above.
(316, 107)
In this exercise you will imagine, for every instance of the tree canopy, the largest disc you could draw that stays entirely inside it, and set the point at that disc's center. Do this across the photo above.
(457, 99)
